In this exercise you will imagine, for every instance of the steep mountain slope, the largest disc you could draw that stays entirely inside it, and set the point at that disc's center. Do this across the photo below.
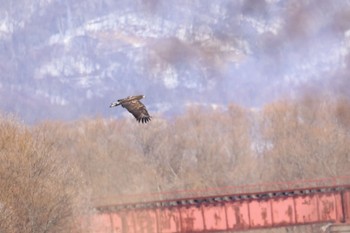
(68, 59)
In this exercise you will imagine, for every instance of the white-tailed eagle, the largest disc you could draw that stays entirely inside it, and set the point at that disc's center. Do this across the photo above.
(135, 107)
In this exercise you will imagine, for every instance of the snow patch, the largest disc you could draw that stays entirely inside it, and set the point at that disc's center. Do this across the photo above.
(170, 78)
(262, 26)
(54, 99)
(67, 66)
(6, 28)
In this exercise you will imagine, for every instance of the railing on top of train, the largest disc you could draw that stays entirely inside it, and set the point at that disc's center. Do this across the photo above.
(221, 191)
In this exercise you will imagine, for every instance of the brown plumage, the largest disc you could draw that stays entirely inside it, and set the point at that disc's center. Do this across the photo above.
(135, 107)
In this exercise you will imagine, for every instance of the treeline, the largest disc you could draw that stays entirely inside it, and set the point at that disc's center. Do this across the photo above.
(50, 171)
(205, 148)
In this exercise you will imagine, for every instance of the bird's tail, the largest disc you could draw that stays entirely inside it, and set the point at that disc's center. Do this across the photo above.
(114, 104)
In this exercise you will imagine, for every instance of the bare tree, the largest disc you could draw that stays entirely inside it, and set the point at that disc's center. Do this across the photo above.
(303, 139)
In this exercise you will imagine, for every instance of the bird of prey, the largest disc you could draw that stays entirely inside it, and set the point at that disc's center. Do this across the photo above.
(135, 107)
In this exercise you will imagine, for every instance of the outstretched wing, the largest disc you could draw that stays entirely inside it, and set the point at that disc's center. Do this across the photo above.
(130, 98)
(136, 108)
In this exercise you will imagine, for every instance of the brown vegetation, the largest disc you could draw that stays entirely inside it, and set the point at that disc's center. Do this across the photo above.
(45, 169)
(308, 139)
(40, 191)
(207, 148)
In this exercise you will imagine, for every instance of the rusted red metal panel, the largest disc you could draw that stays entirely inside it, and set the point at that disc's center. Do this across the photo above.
(116, 223)
(145, 221)
(237, 215)
(346, 205)
(283, 211)
(127, 221)
(133, 221)
(327, 207)
(169, 220)
(306, 209)
(100, 223)
(215, 217)
(191, 219)
(260, 213)
(339, 207)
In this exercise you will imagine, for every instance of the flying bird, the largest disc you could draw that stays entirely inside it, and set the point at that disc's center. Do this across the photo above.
(135, 107)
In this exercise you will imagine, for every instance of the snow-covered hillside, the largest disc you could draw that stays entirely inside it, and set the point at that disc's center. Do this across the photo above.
(69, 59)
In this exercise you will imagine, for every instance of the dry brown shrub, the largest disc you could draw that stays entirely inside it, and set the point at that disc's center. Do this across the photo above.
(41, 190)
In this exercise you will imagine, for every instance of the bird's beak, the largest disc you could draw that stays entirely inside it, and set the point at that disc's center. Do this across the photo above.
(113, 104)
